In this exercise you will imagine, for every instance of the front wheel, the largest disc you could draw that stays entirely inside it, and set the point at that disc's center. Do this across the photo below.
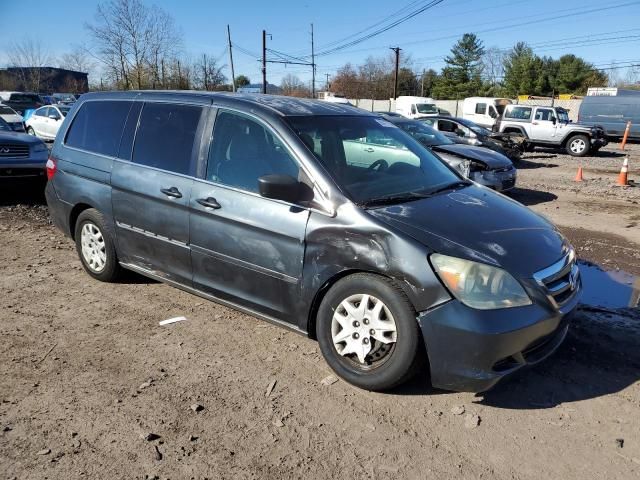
(578, 145)
(368, 332)
(31, 131)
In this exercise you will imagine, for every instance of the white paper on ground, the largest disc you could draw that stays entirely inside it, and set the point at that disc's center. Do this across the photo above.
(172, 320)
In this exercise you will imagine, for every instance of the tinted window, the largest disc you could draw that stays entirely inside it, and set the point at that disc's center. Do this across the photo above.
(166, 136)
(6, 110)
(481, 108)
(243, 150)
(520, 113)
(126, 144)
(97, 127)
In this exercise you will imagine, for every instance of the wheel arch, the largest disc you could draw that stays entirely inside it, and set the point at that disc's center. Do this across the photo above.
(73, 217)
(519, 130)
(570, 135)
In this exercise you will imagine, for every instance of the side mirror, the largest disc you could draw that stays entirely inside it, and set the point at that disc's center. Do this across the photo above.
(459, 132)
(284, 187)
(553, 120)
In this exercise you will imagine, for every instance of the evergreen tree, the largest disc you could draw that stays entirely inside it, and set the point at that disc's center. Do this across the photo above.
(461, 77)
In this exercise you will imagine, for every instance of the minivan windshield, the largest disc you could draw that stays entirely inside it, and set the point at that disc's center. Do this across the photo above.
(372, 160)
(428, 108)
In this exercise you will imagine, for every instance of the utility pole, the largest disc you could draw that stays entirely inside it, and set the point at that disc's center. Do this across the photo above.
(313, 67)
(233, 75)
(264, 61)
(327, 85)
(395, 79)
(422, 84)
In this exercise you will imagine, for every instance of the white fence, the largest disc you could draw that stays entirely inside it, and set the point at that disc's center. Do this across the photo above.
(455, 106)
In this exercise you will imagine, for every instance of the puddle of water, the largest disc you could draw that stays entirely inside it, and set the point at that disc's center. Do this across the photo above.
(608, 288)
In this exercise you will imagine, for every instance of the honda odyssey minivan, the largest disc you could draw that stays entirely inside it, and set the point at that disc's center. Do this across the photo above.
(281, 208)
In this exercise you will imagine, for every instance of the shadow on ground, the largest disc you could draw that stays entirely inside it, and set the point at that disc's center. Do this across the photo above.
(527, 196)
(22, 191)
(525, 164)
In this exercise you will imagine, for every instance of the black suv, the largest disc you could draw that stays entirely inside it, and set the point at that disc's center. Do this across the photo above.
(278, 207)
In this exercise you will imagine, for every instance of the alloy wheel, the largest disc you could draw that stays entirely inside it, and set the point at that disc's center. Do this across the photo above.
(94, 250)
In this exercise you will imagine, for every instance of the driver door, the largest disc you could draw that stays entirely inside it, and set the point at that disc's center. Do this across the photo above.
(544, 125)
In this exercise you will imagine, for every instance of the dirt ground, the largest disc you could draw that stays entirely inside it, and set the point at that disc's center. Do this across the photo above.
(92, 387)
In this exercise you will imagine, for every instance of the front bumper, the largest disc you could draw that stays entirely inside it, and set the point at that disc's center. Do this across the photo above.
(23, 167)
(499, 180)
(471, 350)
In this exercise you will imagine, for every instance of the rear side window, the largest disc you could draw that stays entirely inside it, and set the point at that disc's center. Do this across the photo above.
(166, 135)
(97, 127)
(519, 113)
(481, 108)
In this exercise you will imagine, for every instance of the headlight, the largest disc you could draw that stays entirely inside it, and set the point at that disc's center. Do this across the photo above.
(478, 285)
(39, 147)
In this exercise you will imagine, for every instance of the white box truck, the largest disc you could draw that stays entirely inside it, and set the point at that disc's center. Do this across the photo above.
(416, 107)
(484, 110)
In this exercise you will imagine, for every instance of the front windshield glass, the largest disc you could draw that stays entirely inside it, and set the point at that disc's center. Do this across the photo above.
(425, 134)
(474, 127)
(370, 158)
(563, 115)
(427, 108)
(64, 110)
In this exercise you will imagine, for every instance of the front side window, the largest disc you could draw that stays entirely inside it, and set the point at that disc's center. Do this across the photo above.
(518, 113)
(481, 108)
(97, 127)
(243, 150)
(544, 114)
(369, 172)
(166, 135)
(563, 115)
(42, 112)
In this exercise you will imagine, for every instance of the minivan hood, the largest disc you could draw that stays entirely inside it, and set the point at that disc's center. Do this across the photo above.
(478, 224)
(481, 154)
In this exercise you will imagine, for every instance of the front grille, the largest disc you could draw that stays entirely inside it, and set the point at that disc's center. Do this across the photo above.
(14, 150)
(561, 280)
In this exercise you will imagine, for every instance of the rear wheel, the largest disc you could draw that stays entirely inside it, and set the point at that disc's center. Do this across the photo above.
(578, 145)
(95, 246)
(368, 333)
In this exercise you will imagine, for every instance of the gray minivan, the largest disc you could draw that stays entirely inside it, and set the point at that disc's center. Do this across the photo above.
(613, 112)
(391, 260)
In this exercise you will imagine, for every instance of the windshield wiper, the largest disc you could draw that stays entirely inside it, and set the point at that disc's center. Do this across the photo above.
(393, 199)
(450, 186)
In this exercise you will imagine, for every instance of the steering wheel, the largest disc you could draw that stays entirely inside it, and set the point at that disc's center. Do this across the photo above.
(379, 165)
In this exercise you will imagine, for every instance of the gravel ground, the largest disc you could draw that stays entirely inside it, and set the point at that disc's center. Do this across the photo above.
(92, 387)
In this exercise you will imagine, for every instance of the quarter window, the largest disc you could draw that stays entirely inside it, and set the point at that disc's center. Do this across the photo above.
(97, 127)
(481, 108)
(166, 136)
(242, 150)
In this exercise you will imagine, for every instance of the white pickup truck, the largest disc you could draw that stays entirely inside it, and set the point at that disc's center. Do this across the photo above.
(551, 127)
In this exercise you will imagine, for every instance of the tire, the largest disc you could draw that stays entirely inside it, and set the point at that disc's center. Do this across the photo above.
(388, 363)
(31, 131)
(95, 246)
(578, 145)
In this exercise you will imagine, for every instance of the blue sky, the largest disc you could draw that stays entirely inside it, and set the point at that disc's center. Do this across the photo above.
(600, 31)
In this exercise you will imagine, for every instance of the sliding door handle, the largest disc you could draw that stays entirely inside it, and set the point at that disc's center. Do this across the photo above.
(209, 202)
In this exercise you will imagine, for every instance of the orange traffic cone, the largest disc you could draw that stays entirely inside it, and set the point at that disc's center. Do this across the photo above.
(579, 175)
(622, 178)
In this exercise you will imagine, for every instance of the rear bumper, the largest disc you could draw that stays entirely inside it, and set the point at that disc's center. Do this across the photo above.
(472, 350)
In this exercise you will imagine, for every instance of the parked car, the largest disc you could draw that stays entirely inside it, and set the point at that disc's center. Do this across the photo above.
(21, 102)
(21, 155)
(254, 202)
(416, 107)
(611, 109)
(11, 117)
(64, 98)
(484, 111)
(46, 121)
(551, 127)
(483, 166)
(466, 132)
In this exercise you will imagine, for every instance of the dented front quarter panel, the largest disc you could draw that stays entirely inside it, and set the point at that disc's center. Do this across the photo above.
(355, 241)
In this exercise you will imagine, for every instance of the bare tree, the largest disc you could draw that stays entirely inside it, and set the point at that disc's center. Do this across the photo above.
(493, 65)
(294, 87)
(207, 74)
(28, 56)
(134, 41)
(78, 59)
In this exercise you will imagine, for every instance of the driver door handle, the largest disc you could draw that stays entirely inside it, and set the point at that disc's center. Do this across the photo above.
(209, 202)
(171, 192)
(369, 149)
(534, 123)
